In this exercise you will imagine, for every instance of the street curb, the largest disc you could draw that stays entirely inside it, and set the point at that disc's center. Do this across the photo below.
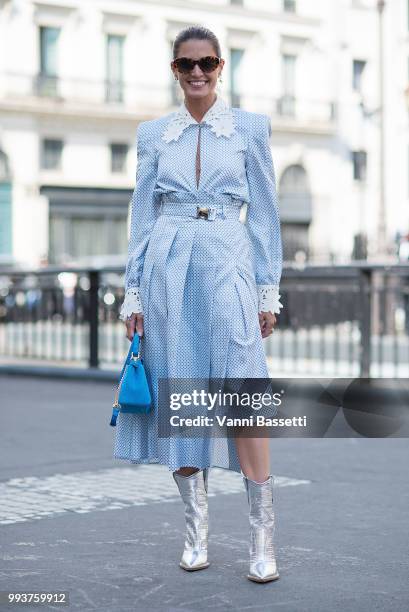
(60, 372)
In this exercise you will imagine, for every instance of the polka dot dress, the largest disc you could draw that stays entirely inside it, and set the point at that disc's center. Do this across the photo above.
(198, 278)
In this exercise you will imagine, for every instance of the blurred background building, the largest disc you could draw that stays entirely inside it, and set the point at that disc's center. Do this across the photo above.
(76, 77)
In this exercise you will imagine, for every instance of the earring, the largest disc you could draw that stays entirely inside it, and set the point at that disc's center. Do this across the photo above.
(176, 79)
(220, 79)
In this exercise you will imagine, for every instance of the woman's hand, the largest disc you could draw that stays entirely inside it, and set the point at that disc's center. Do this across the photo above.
(134, 323)
(267, 321)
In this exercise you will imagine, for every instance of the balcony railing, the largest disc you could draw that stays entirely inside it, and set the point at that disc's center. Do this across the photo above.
(336, 321)
(89, 95)
(45, 85)
(114, 91)
(286, 106)
(92, 95)
(300, 109)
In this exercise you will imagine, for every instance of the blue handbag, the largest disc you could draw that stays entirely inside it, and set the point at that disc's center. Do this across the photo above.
(133, 394)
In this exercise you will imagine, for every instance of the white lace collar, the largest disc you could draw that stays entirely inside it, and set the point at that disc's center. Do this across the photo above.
(219, 117)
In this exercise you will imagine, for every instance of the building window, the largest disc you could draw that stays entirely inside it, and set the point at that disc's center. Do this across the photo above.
(286, 104)
(119, 153)
(86, 224)
(81, 238)
(47, 77)
(236, 57)
(289, 6)
(295, 211)
(359, 161)
(358, 69)
(51, 154)
(114, 68)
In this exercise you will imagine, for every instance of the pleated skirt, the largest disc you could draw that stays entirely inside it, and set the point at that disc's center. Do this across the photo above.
(199, 297)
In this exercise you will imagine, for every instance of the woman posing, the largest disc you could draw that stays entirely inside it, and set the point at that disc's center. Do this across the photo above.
(202, 287)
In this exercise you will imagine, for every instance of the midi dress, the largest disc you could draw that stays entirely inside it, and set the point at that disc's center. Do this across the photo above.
(200, 281)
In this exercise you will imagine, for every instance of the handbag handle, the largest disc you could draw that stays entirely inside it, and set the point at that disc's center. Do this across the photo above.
(135, 345)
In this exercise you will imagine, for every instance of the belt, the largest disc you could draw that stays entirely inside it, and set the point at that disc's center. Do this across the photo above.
(201, 211)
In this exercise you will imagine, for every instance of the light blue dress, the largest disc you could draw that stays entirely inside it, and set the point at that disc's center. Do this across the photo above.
(198, 280)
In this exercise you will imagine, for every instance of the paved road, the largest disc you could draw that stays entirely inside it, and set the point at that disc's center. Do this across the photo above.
(74, 519)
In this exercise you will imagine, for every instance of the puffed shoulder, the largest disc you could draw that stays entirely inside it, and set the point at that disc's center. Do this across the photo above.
(151, 129)
(257, 124)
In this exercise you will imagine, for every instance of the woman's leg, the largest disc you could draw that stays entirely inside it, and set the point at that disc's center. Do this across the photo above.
(254, 460)
(187, 471)
(254, 457)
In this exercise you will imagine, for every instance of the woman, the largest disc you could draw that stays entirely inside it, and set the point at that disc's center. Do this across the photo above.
(202, 287)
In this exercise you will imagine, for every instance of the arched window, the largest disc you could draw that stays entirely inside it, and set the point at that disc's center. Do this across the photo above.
(295, 210)
(294, 180)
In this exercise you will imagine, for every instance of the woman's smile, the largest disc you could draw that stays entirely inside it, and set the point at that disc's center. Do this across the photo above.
(198, 83)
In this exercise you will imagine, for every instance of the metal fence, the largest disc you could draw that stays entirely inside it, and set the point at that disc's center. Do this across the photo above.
(337, 320)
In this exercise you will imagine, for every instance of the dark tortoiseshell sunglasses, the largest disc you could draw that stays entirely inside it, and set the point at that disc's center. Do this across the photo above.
(206, 64)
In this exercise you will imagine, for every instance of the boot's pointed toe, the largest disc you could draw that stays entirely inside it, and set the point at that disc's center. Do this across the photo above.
(194, 559)
(263, 571)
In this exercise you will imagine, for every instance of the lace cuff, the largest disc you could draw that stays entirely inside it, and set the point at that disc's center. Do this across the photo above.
(132, 304)
(268, 298)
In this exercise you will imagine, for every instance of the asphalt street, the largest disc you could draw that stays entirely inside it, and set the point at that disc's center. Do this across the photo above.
(74, 519)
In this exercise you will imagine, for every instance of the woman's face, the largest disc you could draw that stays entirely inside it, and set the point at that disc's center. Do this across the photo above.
(195, 49)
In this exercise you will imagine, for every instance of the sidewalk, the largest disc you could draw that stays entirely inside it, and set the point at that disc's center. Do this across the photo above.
(111, 533)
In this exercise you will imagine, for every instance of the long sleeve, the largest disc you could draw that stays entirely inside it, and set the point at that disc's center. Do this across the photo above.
(263, 220)
(144, 212)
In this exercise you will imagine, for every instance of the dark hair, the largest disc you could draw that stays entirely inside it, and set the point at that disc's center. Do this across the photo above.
(199, 33)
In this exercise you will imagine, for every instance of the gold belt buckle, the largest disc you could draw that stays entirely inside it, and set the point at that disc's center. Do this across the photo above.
(202, 212)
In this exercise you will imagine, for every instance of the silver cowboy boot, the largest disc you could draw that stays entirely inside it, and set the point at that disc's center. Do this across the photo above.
(263, 565)
(193, 490)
